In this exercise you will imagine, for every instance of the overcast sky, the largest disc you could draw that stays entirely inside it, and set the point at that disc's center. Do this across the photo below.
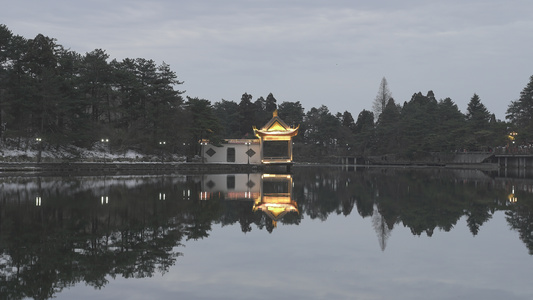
(330, 52)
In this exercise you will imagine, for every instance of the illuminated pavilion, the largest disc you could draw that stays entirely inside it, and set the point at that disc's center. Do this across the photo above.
(273, 146)
(276, 141)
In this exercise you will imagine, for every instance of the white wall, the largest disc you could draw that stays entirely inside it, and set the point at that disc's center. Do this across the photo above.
(220, 155)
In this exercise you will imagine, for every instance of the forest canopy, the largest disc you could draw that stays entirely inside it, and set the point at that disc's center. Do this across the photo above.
(67, 98)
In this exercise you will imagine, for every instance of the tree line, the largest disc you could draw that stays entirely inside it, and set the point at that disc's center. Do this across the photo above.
(66, 98)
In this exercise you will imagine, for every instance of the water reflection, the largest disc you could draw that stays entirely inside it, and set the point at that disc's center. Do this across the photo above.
(270, 193)
(57, 232)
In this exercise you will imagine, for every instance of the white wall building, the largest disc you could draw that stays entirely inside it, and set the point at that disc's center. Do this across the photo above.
(273, 146)
(237, 151)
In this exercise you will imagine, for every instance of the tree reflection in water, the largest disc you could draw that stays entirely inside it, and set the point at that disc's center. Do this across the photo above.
(57, 232)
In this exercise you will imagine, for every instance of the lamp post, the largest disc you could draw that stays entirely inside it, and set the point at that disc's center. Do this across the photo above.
(248, 150)
(105, 141)
(203, 143)
(512, 137)
(512, 198)
(161, 145)
(39, 142)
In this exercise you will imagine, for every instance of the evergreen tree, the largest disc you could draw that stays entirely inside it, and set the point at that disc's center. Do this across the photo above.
(270, 104)
(203, 124)
(387, 130)
(6, 56)
(96, 78)
(418, 124)
(14, 85)
(261, 115)
(451, 126)
(348, 121)
(291, 113)
(246, 115)
(43, 91)
(227, 113)
(322, 129)
(72, 125)
(478, 122)
(477, 114)
(520, 113)
(166, 107)
(126, 88)
(365, 122)
(146, 102)
(345, 134)
(364, 131)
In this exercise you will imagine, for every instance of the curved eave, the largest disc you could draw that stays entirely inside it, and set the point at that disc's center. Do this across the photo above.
(289, 133)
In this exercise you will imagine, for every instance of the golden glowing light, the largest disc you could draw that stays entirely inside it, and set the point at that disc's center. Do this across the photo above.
(276, 205)
(276, 130)
(276, 127)
(512, 136)
(512, 198)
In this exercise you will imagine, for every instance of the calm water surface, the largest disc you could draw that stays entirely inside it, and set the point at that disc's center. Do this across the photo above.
(318, 233)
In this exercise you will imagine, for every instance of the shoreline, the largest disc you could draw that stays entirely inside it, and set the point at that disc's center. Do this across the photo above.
(70, 168)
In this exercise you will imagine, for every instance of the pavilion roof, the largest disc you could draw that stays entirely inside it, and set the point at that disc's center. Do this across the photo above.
(276, 127)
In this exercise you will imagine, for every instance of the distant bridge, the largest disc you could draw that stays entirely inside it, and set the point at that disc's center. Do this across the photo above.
(471, 157)
(437, 158)
(522, 161)
(503, 160)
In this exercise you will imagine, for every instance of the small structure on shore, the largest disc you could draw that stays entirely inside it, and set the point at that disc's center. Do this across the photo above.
(276, 141)
(273, 146)
(232, 151)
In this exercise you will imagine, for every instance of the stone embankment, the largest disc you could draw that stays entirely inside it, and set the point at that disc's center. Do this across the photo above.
(122, 168)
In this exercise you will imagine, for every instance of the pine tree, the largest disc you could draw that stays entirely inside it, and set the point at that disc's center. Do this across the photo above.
(227, 113)
(246, 115)
(364, 131)
(348, 121)
(387, 129)
(520, 113)
(478, 125)
(477, 114)
(450, 126)
(203, 124)
(270, 104)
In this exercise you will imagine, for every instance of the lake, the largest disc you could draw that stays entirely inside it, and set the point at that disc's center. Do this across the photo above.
(316, 233)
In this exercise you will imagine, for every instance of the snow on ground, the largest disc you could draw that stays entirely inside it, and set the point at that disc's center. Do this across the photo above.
(28, 151)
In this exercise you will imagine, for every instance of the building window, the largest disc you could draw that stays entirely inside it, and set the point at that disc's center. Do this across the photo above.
(230, 182)
(231, 155)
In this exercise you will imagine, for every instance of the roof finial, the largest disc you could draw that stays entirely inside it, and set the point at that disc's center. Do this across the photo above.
(275, 113)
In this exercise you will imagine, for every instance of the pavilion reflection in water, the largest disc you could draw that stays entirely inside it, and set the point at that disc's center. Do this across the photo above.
(270, 193)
